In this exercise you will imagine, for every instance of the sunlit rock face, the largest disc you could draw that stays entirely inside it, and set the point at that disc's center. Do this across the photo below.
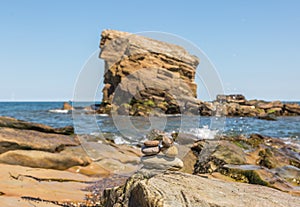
(149, 73)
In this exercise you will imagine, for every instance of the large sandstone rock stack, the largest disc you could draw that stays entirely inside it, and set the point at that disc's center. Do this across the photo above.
(142, 74)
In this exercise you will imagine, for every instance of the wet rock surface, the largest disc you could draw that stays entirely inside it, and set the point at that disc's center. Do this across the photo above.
(257, 160)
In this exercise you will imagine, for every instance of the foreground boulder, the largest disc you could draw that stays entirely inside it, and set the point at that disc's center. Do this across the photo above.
(181, 190)
(13, 139)
(39, 149)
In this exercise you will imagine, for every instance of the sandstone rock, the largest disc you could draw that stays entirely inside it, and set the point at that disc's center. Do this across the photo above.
(151, 143)
(67, 106)
(293, 108)
(39, 159)
(184, 138)
(126, 53)
(92, 170)
(257, 160)
(235, 98)
(150, 150)
(213, 155)
(264, 105)
(114, 158)
(172, 151)
(13, 139)
(155, 134)
(19, 124)
(259, 175)
(166, 142)
(161, 162)
(180, 190)
(44, 184)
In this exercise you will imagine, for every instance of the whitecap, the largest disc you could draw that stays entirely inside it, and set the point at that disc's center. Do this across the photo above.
(59, 111)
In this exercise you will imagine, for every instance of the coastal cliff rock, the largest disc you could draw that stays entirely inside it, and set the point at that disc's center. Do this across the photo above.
(147, 70)
(146, 77)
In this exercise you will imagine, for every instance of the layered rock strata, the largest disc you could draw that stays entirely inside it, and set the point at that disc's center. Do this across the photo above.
(151, 73)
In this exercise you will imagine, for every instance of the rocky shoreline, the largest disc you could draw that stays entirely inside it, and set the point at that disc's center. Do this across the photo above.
(146, 77)
(48, 169)
(45, 166)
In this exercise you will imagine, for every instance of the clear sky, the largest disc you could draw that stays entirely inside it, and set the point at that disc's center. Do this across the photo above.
(255, 45)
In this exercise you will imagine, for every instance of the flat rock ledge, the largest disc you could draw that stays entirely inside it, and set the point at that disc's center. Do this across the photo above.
(184, 190)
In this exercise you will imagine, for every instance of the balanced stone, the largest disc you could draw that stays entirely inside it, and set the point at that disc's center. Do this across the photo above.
(166, 141)
(171, 151)
(150, 150)
(162, 162)
(151, 143)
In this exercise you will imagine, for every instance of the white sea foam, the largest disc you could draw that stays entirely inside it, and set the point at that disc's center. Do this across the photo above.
(59, 111)
(102, 115)
(120, 140)
(203, 133)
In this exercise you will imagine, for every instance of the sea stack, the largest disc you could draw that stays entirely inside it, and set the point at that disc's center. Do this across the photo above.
(144, 76)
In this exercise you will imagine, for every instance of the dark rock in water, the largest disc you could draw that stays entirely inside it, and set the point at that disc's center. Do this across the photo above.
(293, 108)
(19, 124)
(268, 117)
(67, 106)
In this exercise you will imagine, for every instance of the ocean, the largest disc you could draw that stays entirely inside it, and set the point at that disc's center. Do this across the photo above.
(119, 130)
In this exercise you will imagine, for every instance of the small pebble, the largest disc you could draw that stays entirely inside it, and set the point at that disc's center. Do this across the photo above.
(150, 150)
(171, 151)
(166, 142)
(151, 143)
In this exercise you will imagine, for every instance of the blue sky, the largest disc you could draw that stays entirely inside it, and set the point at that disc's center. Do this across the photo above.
(253, 44)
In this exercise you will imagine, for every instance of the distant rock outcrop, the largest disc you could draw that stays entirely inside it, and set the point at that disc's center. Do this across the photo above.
(146, 77)
(238, 105)
(142, 74)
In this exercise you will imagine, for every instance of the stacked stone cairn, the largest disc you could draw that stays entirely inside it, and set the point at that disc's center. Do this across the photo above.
(160, 152)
